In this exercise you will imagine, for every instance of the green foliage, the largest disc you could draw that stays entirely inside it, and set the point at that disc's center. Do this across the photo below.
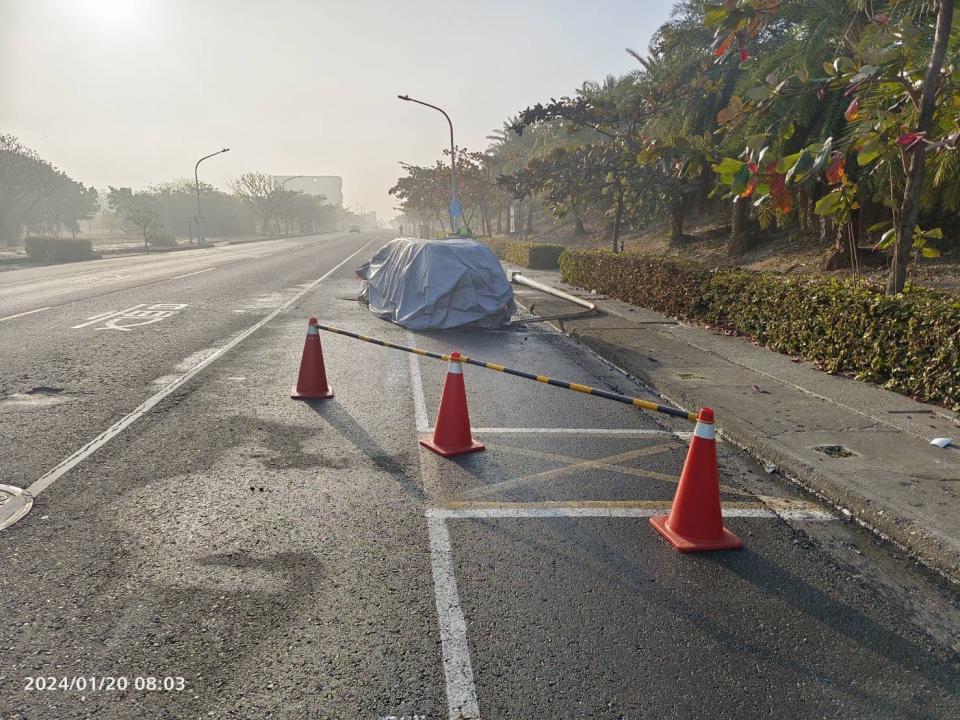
(663, 283)
(909, 343)
(52, 249)
(163, 240)
(37, 196)
(536, 256)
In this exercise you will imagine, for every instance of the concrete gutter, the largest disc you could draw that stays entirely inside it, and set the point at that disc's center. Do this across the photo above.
(857, 446)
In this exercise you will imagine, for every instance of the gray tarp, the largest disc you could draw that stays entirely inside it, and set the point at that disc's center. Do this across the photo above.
(424, 284)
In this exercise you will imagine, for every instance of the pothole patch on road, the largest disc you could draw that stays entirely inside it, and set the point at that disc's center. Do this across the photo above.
(36, 398)
(835, 451)
(14, 504)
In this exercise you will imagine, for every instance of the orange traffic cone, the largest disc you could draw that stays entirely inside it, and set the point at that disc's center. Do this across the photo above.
(451, 434)
(312, 381)
(695, 521)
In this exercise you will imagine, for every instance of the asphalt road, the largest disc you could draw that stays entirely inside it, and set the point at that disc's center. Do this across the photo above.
(250, 556)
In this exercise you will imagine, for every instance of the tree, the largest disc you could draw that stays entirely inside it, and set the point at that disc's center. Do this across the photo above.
(33, 191)
(262, 194)
(916, 152)
(137, 210)
(885, 115)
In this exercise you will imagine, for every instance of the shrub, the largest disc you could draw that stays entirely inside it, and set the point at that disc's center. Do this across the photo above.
(51, 249)
(910, 343)
(163, 240)
(666, 284)
(536, 256)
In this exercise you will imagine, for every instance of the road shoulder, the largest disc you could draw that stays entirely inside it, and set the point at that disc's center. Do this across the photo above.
(858, 446)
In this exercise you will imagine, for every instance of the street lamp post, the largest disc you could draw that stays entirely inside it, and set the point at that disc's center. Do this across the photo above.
(453, 157)
(201, 240)
(282, 186)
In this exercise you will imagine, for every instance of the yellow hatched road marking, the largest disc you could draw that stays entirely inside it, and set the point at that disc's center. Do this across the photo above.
(574, 463)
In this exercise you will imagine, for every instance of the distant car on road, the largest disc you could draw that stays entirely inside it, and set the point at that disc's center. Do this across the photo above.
(354, 228)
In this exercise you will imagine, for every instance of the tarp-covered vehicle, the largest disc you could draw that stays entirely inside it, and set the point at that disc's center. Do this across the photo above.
(437, 284)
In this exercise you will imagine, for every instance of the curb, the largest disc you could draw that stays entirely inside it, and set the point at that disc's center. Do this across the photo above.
(885, 522)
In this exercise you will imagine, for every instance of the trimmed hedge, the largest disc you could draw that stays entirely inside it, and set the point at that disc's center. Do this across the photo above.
(51, 249)
(536, 256)
(909, 343)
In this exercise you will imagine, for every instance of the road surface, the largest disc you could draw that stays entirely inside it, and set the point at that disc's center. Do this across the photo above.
(201, 546)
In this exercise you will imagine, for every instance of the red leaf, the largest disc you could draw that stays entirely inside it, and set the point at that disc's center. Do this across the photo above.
(778, 186)
(744, 55)
(784, 204)
(837, 170)
(724, 46)
(908, 140)
(852, 111)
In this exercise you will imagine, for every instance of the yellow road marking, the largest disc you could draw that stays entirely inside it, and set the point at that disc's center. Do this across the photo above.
(574, 464)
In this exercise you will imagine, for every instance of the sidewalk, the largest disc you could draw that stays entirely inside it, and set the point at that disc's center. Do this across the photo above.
(860, 447)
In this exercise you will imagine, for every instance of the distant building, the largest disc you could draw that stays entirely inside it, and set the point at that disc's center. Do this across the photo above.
(330, 186)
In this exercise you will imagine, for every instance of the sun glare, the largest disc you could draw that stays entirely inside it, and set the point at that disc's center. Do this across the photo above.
(109, 13)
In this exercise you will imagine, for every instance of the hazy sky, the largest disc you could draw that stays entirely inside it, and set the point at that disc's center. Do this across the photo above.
(132, 92)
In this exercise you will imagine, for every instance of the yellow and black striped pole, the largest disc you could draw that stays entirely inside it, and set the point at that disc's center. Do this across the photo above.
(576, 387)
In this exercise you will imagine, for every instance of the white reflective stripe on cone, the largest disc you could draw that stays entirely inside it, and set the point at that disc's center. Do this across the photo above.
(312, 330)
(705, 431)
(455, 367)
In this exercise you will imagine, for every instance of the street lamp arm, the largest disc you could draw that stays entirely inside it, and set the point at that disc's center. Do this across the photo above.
(201, 240)
(197, 166)
(453, 155)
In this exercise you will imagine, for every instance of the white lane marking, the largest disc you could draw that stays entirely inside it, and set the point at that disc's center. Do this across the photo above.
(29, 312)
(100, 279)
(573, 431)
(42, 279)
(554, 512)
(177, 277)
(683, 435)
(70, 462)
(461, 690)
(416, 384)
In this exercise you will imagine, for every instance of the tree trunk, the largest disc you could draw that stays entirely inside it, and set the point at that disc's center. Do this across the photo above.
(743, 231)
(499, 221)
(910, 207)
(529, 228)
(8, 232)
(616, 223)
(677, 212)
(578, 229)
(839, 255)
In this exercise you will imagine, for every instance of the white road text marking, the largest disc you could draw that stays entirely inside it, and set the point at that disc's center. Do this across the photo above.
(132, 317)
